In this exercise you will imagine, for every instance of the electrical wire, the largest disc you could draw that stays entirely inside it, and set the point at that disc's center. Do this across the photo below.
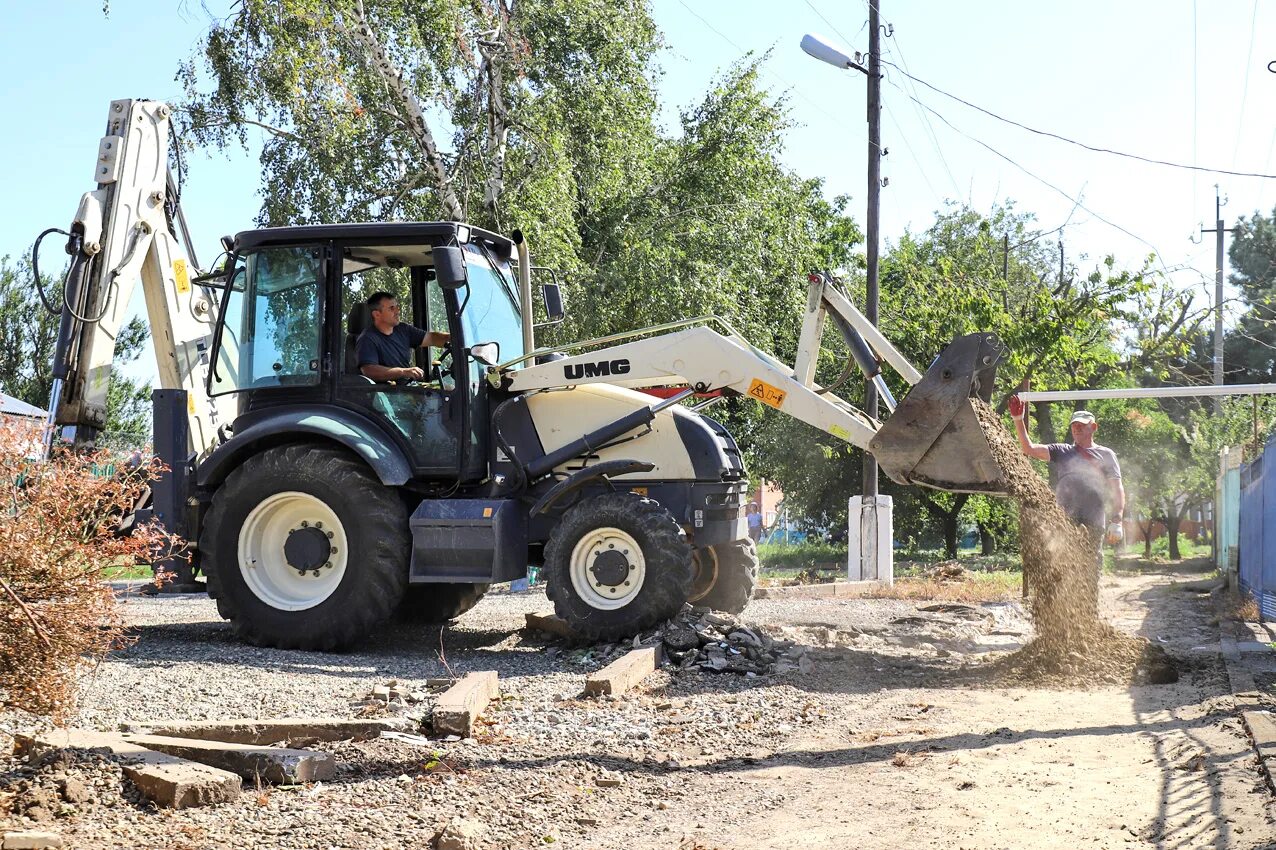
(1249, 58)
(1077, 201)
(1088, 147)
(791, 86)
(930, 128)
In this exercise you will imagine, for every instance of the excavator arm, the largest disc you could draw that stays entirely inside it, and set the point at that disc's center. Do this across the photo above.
(124, 231)
(932, 436)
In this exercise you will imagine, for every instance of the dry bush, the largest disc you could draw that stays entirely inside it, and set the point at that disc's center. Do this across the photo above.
(1241, 606)
(57, 535)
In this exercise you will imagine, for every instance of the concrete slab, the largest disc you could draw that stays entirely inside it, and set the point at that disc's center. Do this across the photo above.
(29, 840)
(277, 765)
(460, 706)
(165, 779)
(177, 783)
(294, 731)
(1253, 646)
(1262, 731)
(551, 623)
(828, 590)
(625, 672)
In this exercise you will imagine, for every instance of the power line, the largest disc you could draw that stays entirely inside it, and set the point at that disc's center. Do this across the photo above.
(1077, 201)
(904, 138)
(791, 87)
(837, 32)
(1093, 148)
(930, 129)
(1249, 58)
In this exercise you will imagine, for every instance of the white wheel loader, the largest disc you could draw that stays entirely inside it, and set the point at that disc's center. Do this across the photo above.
(319, 502)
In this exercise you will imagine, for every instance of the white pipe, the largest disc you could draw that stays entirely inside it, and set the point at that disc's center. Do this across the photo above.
(1150, 392)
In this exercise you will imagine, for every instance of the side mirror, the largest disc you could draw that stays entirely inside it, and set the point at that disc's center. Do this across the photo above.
(449, 266)
(553, 302)
(487, 353)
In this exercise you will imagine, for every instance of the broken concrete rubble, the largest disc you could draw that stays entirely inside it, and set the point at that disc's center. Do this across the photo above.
(293, 731)
(277, 765)
(459, 708)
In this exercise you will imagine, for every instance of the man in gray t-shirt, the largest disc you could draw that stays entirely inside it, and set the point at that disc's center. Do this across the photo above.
(1087, 475)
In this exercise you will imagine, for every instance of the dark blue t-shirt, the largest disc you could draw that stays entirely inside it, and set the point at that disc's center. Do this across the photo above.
(374, 348)
(1081, 483)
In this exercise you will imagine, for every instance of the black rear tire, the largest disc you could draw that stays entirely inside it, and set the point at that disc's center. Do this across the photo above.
(374, 522)
(439, 603)
(666, 566)
(737, 577)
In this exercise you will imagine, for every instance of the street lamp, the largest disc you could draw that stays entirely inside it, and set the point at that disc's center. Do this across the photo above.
(828, 51)
(869, 552)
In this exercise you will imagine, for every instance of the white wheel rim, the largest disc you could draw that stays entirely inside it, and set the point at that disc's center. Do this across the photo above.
(603, 548)
(262, 561)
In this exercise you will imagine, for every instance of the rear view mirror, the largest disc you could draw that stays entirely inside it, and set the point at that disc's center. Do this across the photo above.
(487, 353)
(449, 266)
(553, 302)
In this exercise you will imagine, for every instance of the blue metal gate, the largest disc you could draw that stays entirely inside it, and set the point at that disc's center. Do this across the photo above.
(1258, 531)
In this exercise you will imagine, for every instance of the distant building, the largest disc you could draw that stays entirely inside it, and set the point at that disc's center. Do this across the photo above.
(23, 422)
(16, 409)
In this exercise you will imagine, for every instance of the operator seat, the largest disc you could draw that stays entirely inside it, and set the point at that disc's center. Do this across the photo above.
(358, 319)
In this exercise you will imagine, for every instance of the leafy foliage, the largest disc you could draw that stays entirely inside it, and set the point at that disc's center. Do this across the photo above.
(56, 539)
(1250, 350)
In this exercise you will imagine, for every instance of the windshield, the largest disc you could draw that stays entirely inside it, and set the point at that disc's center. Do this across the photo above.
(492, 312)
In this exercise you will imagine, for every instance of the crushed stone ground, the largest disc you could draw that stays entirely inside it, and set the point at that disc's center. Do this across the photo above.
(896, 729)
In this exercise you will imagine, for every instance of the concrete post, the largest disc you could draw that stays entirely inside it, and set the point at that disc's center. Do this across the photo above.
(870, 555)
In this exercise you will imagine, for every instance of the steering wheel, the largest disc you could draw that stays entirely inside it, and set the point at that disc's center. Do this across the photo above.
(438, 373)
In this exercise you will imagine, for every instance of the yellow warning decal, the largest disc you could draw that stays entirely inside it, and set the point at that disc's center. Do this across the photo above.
(641, 491)
(487, 512)
(840, 432)
(183, 278)
(190, 402)
(767, 394)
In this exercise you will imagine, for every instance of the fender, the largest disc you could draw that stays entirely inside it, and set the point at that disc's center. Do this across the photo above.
(274, 426)
(581, 477)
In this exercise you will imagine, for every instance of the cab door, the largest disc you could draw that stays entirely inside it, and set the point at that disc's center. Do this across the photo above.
(422, 414)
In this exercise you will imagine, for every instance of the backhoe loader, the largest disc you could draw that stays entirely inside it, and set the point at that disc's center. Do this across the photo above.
(317, 502)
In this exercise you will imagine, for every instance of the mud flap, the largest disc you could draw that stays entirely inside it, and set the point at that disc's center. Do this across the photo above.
(934, 438)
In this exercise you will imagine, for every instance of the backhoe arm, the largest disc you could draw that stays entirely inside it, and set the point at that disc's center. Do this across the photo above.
(124, 231)
(932, 437)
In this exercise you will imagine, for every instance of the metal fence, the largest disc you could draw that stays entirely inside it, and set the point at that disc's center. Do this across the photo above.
(1256, 532)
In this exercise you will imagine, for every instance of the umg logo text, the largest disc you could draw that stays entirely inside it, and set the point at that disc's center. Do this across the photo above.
(601, 369)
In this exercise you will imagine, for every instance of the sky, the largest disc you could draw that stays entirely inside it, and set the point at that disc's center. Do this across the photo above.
(1178, 80)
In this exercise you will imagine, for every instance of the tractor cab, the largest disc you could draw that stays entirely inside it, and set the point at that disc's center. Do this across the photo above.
(298, 303)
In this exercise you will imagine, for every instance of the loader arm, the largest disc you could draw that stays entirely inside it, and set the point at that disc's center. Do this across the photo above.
(932, 437)
(125, 231)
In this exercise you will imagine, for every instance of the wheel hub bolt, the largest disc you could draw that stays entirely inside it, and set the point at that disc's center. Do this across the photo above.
(305, 524)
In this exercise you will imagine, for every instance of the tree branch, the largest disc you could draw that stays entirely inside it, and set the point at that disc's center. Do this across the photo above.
(39, 629)
(392, 75)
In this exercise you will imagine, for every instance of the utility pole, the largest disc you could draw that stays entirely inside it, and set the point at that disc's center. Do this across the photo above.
(874, 207)
(1218, 230)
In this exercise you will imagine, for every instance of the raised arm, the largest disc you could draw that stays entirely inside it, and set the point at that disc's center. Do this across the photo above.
(1019, 413)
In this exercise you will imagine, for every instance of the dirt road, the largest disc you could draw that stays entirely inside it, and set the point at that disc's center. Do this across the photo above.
(894, 737)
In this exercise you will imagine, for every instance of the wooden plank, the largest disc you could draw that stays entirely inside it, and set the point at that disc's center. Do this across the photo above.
(625, 672)
(460, 706)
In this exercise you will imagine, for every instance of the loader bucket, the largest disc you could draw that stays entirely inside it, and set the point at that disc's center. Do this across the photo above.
(934, 438)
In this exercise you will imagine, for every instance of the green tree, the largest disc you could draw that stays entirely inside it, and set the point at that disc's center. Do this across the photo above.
(1250, 348)
(536, 114)
(28, 334)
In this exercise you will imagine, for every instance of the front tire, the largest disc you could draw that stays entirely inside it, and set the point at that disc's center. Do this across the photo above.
(737, 576)
(617, 564)
(305, 549)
